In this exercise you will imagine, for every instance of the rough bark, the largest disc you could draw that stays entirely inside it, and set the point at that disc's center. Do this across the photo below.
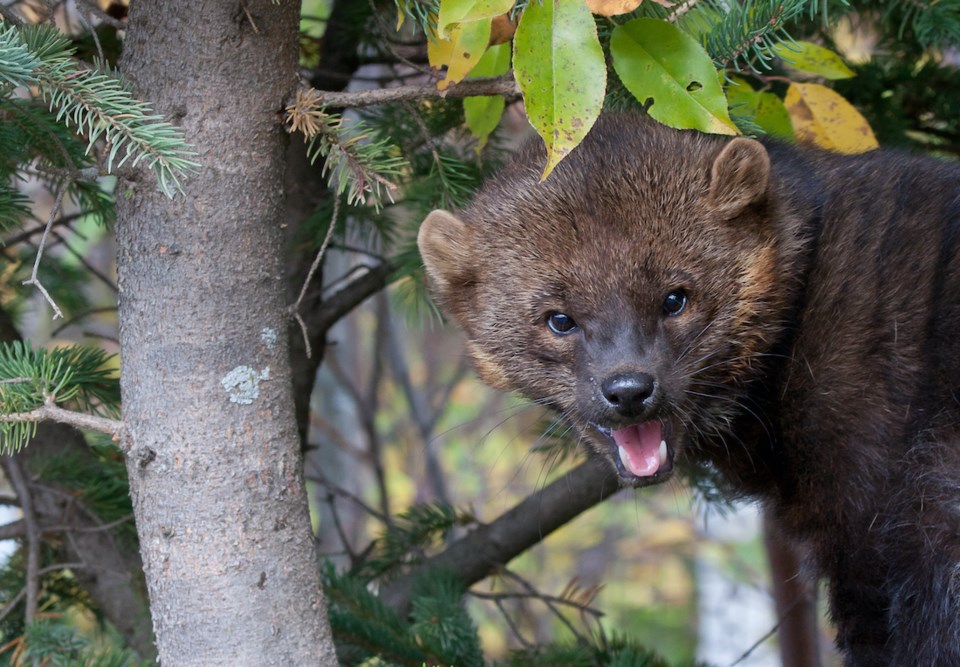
(216, 483)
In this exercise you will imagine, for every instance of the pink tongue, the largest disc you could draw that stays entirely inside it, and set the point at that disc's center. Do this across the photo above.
(641, 447)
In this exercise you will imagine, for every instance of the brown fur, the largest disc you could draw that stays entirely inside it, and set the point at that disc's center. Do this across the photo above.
(816, 363)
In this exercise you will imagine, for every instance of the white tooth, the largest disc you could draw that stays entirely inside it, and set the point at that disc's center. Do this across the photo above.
(663, 452)
(624, 457)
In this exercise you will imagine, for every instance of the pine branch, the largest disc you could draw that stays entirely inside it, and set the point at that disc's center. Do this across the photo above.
(14, 208)
(748, 31)
(33, 382)
(96, 102)
(358, 161)
(422, 12)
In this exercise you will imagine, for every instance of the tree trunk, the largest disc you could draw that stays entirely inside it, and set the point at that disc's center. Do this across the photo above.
(795, 598)
(214, 463)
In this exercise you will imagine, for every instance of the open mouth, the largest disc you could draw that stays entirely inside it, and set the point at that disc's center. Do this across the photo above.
(640, 451)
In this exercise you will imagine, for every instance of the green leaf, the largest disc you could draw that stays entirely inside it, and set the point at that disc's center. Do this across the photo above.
(483, 113)
(815, 59)
(765, 109)
(463, 11)
(559, 66)
(659, 62)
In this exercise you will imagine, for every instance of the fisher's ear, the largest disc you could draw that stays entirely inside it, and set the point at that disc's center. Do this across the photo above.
(739, 177)
(446, 247)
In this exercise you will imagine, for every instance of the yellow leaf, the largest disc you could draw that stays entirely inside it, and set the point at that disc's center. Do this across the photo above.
(823, 117)
(468, 42)
(439, 52)
(612, 7)
(467, 11)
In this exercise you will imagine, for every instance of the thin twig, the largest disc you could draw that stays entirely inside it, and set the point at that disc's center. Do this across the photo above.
(513, 626)
(84, 19)
(86, 264)
(343, 493)
(80, 316)
(25, 235)
(103, 16)
(52, 412)
(313, 269)
(538, 596)
(14, 601)
(341, 532)
(61, 566)
(679, 9)
(89, 529)
(19, 483)
(756, 644)
(505, 86)
(43, 240)
(550, 605)
(13, 530)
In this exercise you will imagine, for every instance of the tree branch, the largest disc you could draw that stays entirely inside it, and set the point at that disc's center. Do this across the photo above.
(492, 545)
(32, 586)
(352, 295)
(52, 412)
(505, 86)
(13, 530)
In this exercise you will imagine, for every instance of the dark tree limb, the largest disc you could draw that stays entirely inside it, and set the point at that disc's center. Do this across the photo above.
(492, 545)
(795, 600)
(352, 295)
(504, 86)
(13, 530)
(18, 480)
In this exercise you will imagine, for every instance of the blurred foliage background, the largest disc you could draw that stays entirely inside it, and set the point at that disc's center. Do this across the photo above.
(405, 451)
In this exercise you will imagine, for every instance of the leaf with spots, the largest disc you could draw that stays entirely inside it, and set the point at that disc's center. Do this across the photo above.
(822, 116)
(558, 63)
(453, 12)
(813, 58)
(660, 64)
(461, 51)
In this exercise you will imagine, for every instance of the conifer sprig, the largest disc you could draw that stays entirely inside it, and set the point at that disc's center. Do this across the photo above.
(748, 31)
(357, 160)
(70, 376)
(423, 12)
(95, 101)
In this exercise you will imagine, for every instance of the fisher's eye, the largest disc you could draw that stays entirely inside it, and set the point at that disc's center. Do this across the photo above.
(674, 302)
(561, 324)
